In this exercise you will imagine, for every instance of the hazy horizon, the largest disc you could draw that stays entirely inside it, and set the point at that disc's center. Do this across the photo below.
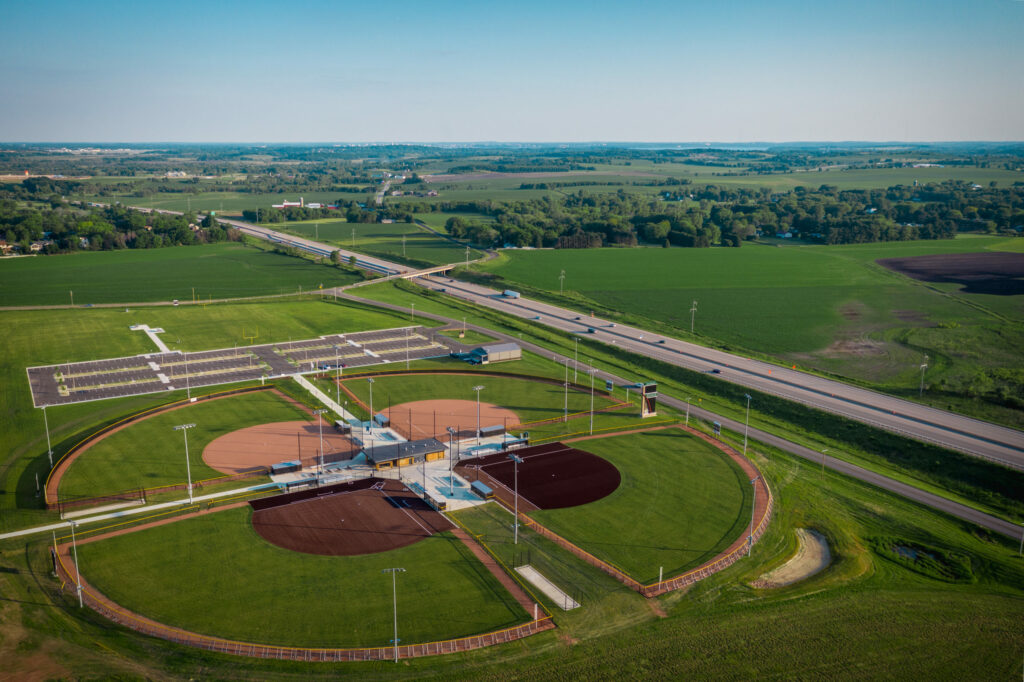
(909, 71)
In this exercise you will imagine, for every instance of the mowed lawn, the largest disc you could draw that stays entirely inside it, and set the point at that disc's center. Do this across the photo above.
(382, 240)
(215, 270)
(681, 502)
(215, 575)
(531, 400)
(150, 453)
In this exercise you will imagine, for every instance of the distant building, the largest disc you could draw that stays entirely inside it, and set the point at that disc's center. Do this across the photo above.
(500, 352)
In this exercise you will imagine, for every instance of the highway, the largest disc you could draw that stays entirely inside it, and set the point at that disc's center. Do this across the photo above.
(972, 436)
(909, 492)
(956, 432)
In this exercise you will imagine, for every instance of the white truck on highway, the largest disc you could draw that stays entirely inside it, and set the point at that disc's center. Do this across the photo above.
(508, 293)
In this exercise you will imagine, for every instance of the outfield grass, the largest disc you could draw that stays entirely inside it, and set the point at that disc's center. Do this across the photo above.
(828, 308)
(215, 575)
(150, 454)
(215, 270)
(382, 240)
(681, 503)
(470, 338)
(530, 400)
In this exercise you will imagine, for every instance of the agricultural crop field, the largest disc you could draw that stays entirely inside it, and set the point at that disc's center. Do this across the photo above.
(230, 203)
(681, 502)
(210, 574)
(826, 307)
(150, 454)
(215, 270)
(383, 240)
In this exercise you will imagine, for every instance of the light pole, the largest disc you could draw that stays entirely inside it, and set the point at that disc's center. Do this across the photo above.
(924, 366)
(319, 413)
(478, 389)
(591, 400)
(561, 282)
(78, 576)
(565, 410)
(576, 360)
(188, 389)
(337, 376)
(824, 450)
(412, 316)
(407, 349)
(369, 380)
(451, 461)
(693, 313)
(516, 461)
(49, 449)
(188, 467)
(688, 399)
(394, 593)
(746, 425)
(753, 505)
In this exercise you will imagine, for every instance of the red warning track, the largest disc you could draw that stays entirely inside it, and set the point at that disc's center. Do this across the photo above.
(357, 517)
(551, 476)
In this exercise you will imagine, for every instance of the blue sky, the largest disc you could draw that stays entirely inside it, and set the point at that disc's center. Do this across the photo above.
(539, 71)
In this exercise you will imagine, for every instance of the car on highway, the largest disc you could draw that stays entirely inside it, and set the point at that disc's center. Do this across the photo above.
(714, 371)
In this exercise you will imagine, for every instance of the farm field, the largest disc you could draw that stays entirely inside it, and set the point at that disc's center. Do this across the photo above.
(130, 275)
(681, 502)
(437, 219)
(232, 203)
(830, 308)
(229, 572)
(150, 454)
(382, 240)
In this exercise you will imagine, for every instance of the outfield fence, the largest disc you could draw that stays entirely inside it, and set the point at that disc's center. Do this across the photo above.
(50, 494)
(763, 502)
(114, 612)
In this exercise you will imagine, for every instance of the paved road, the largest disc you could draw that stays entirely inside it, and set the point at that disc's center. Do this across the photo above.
(902, 489)
(972, 436)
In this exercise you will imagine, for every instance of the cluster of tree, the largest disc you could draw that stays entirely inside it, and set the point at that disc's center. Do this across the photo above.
(66, 228)
(710, 215)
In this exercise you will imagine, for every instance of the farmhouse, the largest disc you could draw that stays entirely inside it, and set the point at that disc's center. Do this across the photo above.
(405, 454)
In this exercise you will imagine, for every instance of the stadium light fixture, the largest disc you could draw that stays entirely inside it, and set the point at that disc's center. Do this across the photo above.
(188, 467)
(591, 400)
(320, 423)
(576, 360)
(478, 389)
(565, 409)
(451, 461)
(688, 399)
(394, 597)
(746, 424)
(753, 506)
(78, 575)
(516, 461)
(337, 367)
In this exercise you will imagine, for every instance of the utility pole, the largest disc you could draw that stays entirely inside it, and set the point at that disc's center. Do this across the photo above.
(467, 258)
(746, 425)
(924, 366)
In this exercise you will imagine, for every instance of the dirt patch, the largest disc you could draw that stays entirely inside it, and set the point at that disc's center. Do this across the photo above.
(551, 476)
(992, 272)
(859, 347)
(431, 418)
(266, 444)
(913, 317)
(852, 312)
(812, 557)
(358, 517)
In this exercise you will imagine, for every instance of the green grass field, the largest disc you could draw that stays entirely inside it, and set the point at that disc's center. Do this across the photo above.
(383, 240)
(215, 575)
(214, 270)
(681, 502)
(829, 308)
(222, 202)
(530, 400)
(150, 454)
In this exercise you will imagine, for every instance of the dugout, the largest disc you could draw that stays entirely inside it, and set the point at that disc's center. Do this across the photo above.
(481, 490)
(497, 430)
(405, 454)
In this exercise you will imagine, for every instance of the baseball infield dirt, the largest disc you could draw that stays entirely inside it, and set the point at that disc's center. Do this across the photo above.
(357, 517)
(430, 418)
(267, 444)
